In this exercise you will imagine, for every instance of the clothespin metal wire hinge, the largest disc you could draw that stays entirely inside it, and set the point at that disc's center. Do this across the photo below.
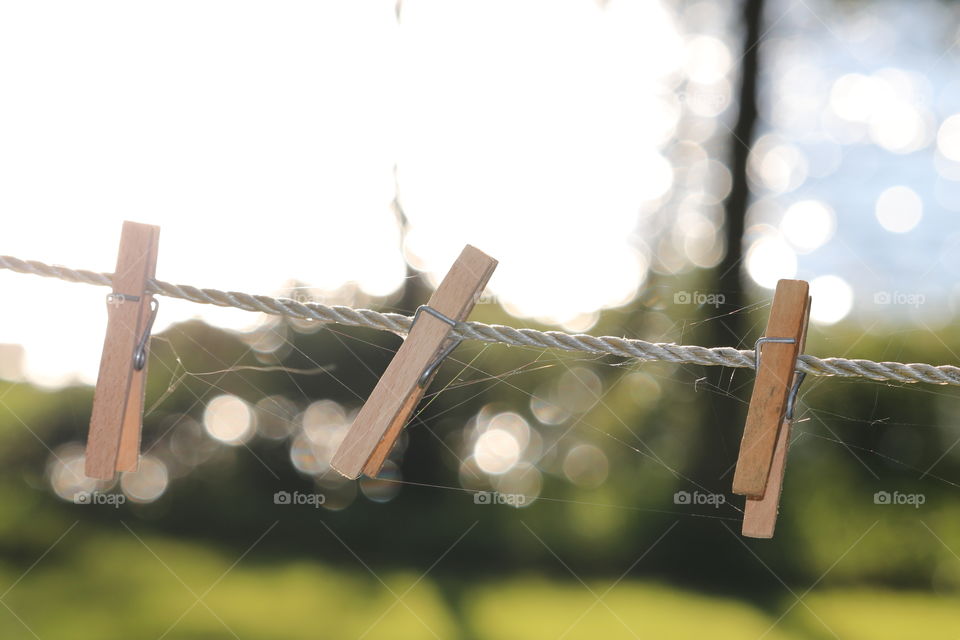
(446, 351)
(800, 375)
(140, 355)
(114, 299)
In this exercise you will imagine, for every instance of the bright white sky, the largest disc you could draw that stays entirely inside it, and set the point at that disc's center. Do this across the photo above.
(262, 138)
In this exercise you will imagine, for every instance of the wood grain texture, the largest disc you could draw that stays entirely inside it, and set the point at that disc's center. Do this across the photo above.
(380, 420)
(771, 388)
(112, 393)
(760, 514)
(128, 457)
(382, 451)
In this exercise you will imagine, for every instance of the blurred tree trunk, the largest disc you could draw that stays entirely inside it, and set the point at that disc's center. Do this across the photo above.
(741, 139)
(722, 394)
(725, 400)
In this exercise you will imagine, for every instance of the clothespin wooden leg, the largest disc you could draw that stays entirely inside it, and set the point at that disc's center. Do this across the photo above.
(760, 514)
(772, 387)
(128, 458)
(114, 440)
(380, 420)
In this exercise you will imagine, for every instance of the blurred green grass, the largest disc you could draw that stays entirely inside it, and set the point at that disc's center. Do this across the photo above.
(107, 586)
(854, 438)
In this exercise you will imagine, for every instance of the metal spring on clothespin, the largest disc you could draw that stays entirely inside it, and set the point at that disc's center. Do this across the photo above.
(800, 375)
(446, 351)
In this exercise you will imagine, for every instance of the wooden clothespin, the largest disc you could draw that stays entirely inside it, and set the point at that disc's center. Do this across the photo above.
(113, 443)
(377, 426)
(766, 436)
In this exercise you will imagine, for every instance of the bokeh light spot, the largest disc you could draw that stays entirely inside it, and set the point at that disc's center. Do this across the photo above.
(899, 209)
(807, 225)
(67, 475)
(228, 419)
(948, 138)
(496, 451)
(832, 299)
(707, 59)
(578, 389)
(522, 484)
(586, 466)
(148, 482)
(385, 486)
(769, 259)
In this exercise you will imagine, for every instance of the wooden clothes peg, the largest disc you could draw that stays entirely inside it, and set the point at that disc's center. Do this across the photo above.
(377, 426)
(760, 514)
(113, 443)
(766, 434)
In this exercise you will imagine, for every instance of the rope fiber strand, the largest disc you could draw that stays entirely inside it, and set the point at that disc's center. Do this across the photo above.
(611, 345)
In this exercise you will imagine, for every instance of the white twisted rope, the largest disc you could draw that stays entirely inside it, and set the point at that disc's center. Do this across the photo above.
(400, 324)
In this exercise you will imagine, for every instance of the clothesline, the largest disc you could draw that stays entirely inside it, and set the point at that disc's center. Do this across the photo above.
(500, 334)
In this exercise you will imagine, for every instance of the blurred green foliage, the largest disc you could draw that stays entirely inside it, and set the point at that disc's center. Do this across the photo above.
(107, 586)
(878, 571)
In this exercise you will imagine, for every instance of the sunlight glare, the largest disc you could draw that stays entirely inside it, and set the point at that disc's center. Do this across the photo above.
(832, 299)
(899, 209)
(808, 225)
(707, 59)
(770, 259)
